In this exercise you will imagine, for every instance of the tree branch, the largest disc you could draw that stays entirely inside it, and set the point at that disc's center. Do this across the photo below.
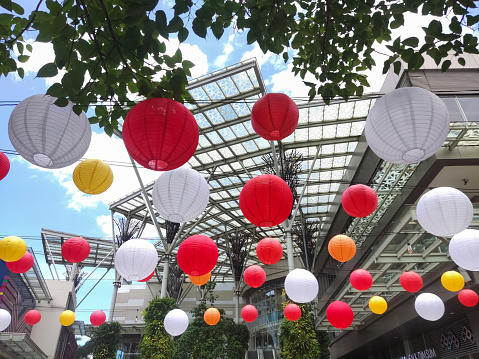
(34, 13)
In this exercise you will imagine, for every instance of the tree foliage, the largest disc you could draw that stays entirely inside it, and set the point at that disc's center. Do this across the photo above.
(155, 342)
(103, 344)
(106, 49)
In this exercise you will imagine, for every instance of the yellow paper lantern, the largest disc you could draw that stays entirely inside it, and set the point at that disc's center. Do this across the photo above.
(212, 316)
(378, 305)
(452, 281)
(200, 279)
(93, 176)
(12, 248)
(67, 318)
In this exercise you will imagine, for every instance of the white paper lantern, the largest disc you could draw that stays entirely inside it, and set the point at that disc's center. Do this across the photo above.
(464, 249)
(444, 211)
(181, 195)
(407, 125)
(301, 285)
(429, 306)
(5, 319)
(136, 259)
(176, 322)
(47, 135)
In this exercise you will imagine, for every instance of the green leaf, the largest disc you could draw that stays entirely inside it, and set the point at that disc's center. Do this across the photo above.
(461, 61)
(21, 72)
(20, 47)
(176, 24)
(411, 41)
(23, 58)
(183, 34)
(17, 8)
(416, 61)
(29, 47)
(7, 4)
(161, 23)
(77, 109)
(61, 102)
(445, 65)
(48, 70)
(199, 27)
(93, 120)
(56, 90)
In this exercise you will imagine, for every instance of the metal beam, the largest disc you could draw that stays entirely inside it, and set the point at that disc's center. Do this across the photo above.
(415, 258)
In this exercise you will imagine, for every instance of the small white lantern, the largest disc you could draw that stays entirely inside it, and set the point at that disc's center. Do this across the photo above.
(464, 249)
(136, 259)
(444, 211)
(429, 306)
(176, 322)
(407, 125)
(180, 195)
(301, 285)
(47, 135)
(5, 319)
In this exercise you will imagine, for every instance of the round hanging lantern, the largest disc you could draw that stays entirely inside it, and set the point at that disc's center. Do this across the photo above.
(176, 322)
(254, 276)
(292, 312)
(361, 279)
(160, 134)
(266, 200)
(407, 125)
(342, 248)
(75, 249)
(464, 249)
(147, 278)
(197, 255)
(200, 280)
(92, 176)
(468, 297)
(136, 259)
(32, 317)
(359, 200)
(67, 318)
(180, 195)
(249, 313)
(269, 250)
(411, 281)
(47, 135)
(339, 314)
(301, 285)
(444, 211)
(452, 281)
(212, 316)
(274, 116)
(4, 165)
(12, 248)
(97, 318)
(22, 265)
(378, 305)
(5, 319)
(429, 306)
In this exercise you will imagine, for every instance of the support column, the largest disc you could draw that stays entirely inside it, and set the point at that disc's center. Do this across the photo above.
(117, 280)
(237, 299)
(166, 270)
(289, 246)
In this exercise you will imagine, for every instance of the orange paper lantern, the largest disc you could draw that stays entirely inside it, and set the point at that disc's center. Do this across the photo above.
(342, 248)
(200, 279)
(212, 316)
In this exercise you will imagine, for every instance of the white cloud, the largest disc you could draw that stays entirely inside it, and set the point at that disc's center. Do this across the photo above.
(189, 52)
(42, 53)
(257, 53)
(104, 222)
(220, 61)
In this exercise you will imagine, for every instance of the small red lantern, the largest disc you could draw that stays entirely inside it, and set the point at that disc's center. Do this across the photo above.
(274, 116)
(249, 313)
(292, 312)
(266, 200)
(468, 297)
(359, 200)
(4, 165)
(197, 255)
(411, 281)
(361, 279)
(254, 276)
(97, 318)
(32, 317)
(75, 249)
(160, 134)
(339, 314)
(22, 265)
(147, 278)
(269, 250)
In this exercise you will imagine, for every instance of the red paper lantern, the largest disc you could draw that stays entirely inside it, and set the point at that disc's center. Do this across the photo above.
(4, 165)
(359, 200)
(249, 313)
(266, 200)
(32, 317)
(361, 279)
(254, 276)
(97, 318)
(269, 250)
(468, 297)
(411, 281)
(160, 134)
(22, 265)
(339, 314)
(197, 255)
(292, 312)
(75, 249)
(274, 116)
(147, 278)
